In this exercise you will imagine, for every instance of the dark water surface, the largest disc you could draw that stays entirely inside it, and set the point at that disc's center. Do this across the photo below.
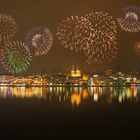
(59, 111)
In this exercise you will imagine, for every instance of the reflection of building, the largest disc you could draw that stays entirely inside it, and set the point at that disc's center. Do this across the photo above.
(75, 99)
(75, 73)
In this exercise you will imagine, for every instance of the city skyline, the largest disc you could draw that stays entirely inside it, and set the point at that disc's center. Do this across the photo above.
(50, 13)
(70, 68)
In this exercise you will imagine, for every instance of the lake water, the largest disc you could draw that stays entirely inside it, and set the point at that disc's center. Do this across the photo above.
(74, 96)
(59, 111)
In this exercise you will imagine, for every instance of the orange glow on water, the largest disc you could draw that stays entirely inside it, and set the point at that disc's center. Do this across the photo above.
(75, 99)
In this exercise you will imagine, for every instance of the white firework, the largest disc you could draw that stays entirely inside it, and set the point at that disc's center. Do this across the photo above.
(130, 22)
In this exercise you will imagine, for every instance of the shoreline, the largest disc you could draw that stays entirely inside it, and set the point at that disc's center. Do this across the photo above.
(69, 86)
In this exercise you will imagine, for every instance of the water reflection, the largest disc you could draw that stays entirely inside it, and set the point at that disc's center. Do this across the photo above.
(74, 95)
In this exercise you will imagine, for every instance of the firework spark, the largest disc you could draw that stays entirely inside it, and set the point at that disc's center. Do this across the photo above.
(73, 32)
(131, 20)
(15, 57)
(94, 33)
(137, 48)
(8, 27)
(39, 40)
(102, 42)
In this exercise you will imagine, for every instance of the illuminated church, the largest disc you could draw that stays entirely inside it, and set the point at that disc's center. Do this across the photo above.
(75, 72)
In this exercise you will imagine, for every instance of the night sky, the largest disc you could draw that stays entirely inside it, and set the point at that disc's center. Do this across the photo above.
(33, 13)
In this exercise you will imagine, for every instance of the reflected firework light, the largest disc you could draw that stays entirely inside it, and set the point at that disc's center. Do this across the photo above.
(73, 32)
(15, 57)
(8, 27)
(102, 41)
(131, 20)
(39, 40)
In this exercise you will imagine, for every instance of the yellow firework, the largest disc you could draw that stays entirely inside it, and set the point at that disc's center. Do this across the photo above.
(102, 42)
(73, 32)
(8, 27)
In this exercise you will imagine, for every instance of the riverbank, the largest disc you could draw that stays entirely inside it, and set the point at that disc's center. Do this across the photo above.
(62, 85)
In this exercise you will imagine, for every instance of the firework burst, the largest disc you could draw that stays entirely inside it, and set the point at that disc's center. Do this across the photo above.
(8, 27)
(39, 40)
(130, 22)
(137, 48)
(102, 41)
(15, 57)
(73, 32)
(94, 33)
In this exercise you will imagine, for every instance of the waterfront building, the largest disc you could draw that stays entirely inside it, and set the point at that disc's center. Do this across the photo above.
(75, 72)
(6, 79)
